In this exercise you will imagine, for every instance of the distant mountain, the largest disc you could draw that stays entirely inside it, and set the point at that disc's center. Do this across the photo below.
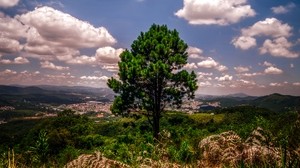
(274, 102)
(53, 94)
(14, 90)
(242, 95)
(277, 102)
(238, 96)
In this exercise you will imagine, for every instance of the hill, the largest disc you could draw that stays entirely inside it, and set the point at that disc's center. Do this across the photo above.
(52, 94)
(277, 102)
(274, 102)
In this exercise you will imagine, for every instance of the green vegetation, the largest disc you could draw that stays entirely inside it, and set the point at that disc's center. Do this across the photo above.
(184, 139)
(151, 76)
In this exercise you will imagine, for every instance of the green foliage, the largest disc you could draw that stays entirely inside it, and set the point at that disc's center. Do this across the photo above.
(129, 140)
(40, 150)
(151, 75)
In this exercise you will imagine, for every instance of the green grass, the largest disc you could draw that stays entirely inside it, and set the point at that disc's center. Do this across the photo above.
(203, 118)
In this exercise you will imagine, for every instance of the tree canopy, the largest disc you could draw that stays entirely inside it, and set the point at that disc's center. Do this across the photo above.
(151, 75)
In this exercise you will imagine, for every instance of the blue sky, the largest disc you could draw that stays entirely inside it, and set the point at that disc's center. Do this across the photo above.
(249, 46)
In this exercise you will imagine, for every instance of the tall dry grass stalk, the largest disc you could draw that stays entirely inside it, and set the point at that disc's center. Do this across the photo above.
(11, 159)
(95, 160)
(228, 150)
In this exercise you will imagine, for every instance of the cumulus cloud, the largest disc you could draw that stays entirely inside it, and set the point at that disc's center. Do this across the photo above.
(218, 12)
(273, 70)
(211, 63)
(65, 30)
(11, 31)
(8, 45)
(8, 3)
(208, 63)
(275, 84)
(84, 59)
(108, 55)
(250, 74)
(7, 72)
(224, 78)
(103, 78)
(269, 27)
(244, 42)
(204, 76)
(48, 34)
(279, 47)
(241, 69)
(105, 57)
(111, 67)
(50, 65)
(243, 82)
(190, 66)
(283, 9)
(194, 52)
(268, 64)
(204, 84)
(296, 83)
(18, 60)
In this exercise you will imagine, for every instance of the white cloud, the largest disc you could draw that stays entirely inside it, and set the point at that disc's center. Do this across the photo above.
(275, 84)
(11, 30)
(224, 78)
(204, 76)
(241, 69)
(219, 12)
(208, 63)
(63, 29)
(273, 70)
(194, 52)
(8, 72)
(243, 82)
(292, 65)
(283, 9)
(50, 65)
(18, 60)
(267, 64)
(190, 66)
(249, 74)
(8, 3)
(108, 55)
(82, 60)
(269, 27)
(48, 34)
(103, 78)
(279, 47)
(111, 67)
(211, 63)
(8, 45)
(244, 42)
(221, 68)
(204, 84)
(296, 83)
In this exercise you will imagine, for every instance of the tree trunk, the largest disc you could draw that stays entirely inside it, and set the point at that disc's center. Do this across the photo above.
(156, 126)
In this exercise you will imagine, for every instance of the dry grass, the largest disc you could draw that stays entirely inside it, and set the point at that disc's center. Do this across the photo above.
(95, 160)
(227, 149)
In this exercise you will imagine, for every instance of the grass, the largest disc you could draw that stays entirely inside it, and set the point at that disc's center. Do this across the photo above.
(203, 118)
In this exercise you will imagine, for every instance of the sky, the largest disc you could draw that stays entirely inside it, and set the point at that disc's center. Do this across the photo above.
(235, 46)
